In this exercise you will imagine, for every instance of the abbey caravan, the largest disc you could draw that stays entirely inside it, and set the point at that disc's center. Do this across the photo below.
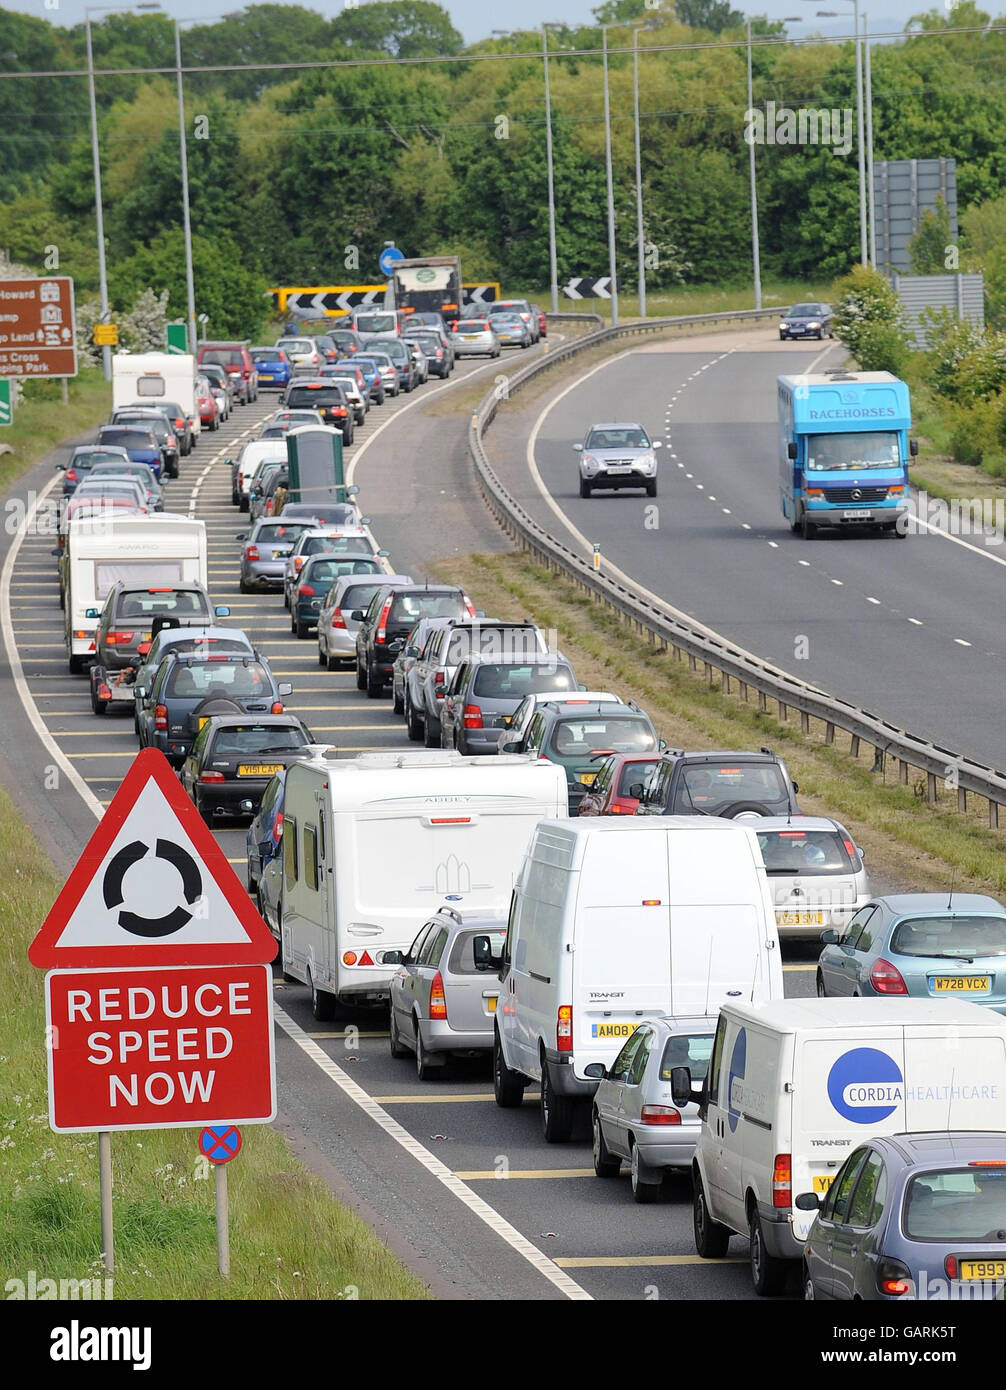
(617, 921)
(149, 378)
(794, 1086)
(161, 549)
(373, 844)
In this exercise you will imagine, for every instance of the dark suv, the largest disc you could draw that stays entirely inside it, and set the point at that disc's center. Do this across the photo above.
(388, 620)
(720, 784)
(129, 617)
(237, 362)
(327, 398)
(172, 711)
(484, 692)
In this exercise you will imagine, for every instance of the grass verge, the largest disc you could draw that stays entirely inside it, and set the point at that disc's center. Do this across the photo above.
(290, 1239)
(685, 299)
(41, 421)
(913, 844)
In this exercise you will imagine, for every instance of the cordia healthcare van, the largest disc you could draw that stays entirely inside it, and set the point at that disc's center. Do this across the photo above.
(793, 1087)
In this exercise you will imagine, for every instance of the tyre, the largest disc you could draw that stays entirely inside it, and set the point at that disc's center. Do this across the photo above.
(605, 1164)
(361, 676)
(397, 702)
(508, 1086)
(76, 665)
(807, 528)
(245, 588)
(768, 1274)
(302, 629)
(331, 663)
(286, 597)
(808, 1287)
(98, 706)
(322, 1003)
(373, 685)
(585, 488)
(651, 488)
(431, 732)
(711, 1239)
(235, 496)
(645, 1188)
(243, 502)
(743, 808)
(62, 598)
(414, 725)
(425, 1068)
(556, 1111)
(821, 992)
(322, 659)
(782, 337)
(398, 1048)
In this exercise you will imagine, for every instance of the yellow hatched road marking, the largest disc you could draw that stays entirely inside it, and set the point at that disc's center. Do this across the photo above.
(477, 1175)
(438, 1100)
(638, 1261)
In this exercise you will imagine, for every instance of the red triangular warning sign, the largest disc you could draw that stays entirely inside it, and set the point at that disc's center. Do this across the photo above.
(366, 958)
(152, 887)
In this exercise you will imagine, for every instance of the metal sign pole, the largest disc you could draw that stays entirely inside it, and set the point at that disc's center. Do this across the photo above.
(223, 1231)
(105, 1187)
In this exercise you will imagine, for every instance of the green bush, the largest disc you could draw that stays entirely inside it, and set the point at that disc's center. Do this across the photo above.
(868, 321)
(978, 432)
(882, 347)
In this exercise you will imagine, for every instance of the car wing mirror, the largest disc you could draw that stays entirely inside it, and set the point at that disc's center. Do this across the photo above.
(831, 937)
(807, 1201)
(482, 954)
(577, 448)
(247, 806)
(393, 958)
(791, 450)
(92, 613)
(222, 611)
(681, 1086)
(357, 615)
(597, 1071)
(285, 688)
(796, 788)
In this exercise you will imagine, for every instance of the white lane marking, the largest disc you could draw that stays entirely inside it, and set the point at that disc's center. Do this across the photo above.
(475, 1204)
(725, 510)
(869, 599)
(805, 563)
(745, 526)
(774, 545)
(839, 582)
(961, 642)
(916, 621)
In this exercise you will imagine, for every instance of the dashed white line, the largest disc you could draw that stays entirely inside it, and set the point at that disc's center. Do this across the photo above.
(917, 622)
(961, 642)
(870, 599)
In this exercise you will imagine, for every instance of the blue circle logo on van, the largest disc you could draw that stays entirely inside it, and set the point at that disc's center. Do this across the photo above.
(735, 1079)
(865, 1086)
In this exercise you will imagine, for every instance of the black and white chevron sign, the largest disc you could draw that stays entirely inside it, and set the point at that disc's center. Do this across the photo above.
(585, 287)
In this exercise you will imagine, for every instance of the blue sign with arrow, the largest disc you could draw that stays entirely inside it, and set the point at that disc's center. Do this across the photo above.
(388, 257)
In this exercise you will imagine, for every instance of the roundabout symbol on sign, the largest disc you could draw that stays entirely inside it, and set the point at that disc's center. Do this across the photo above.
(178, 917)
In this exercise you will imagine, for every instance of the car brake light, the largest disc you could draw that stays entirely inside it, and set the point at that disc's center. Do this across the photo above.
(438, 678)
(382, 631)
(438, 1004)
(660, 1115)
(895, 1279)
(950, 1268)
(160, 716)
(887, 978)
(305, 591)
(564, 1028)
(212, 777)
(251, 552)
(277, 828)
(337, 619)
(118, 639)
(172, 441)
(103, 692)
(469, 607)
(472, 717)
(276, 707)
(850, 848)
(618, 808)
(987, 1163)
(782, 1181)
(71, 475)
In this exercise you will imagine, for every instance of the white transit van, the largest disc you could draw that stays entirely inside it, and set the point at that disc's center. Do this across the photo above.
(614, 922)
(147, 378)
(792, 1087)
(159, 549)
(373, 845)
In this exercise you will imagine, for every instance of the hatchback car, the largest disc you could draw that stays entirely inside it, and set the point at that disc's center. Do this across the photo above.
(911, 1218)
(633, 1116)
(619, 786)
(520, 307)
(415, 644)
(302, 353)
(265, 834)
(160, 426)
(443, 997)
(125, 470)
(474, 338)
(725, 784)
(357, 396)
(512, 331)
(322, 540)
(338, 626)
(483, 692)
(204, 641)
(617, 456)
(398, 352)
(516, 726)
(573, 732)
(139, 443)
(284, 420)
(82, 459)
(368, 369)
(220, 377)
(266, 546)
(273, 366)
(186, 426)
(438, 357)
(388, 620)
(315, 580)
(816, 873)
(347, 340)
(811, 320)
(390, 383)
(237, 361)
(921, 945)
(128, 620)
(170, 716)
(234, 757)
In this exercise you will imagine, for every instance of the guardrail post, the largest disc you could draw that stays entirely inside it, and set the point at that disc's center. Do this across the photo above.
(903, 772)
(993, 814)
(726, 683)
(743, 685)
(931, 794)
(854, 746)
(693, 665)
(804, 722)
(762, 701)
(783, 710)
(829, 733)
(962, 799)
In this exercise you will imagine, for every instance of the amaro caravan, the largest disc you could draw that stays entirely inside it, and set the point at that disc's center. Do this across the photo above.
(794, 1086)
(614, 922)
(373, 845)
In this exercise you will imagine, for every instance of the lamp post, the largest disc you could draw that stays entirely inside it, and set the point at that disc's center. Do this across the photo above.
(106, 351)
(612, 271)
(553, 263)
(755, 246)
(869, 146)
(636, 31)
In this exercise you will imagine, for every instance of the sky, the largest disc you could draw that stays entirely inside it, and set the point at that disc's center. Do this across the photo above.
(475, 19)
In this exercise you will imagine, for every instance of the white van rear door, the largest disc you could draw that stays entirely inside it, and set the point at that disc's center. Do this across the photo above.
(621, 976)
(956, 1080)
(715, 957)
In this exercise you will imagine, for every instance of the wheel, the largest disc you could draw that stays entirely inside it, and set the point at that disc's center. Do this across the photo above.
(808, 1287)
(585, 488)
(243, 502)
(807, 528)
(245, 588)
(398, 1049)
(742, 808)
(397, 701)
(508, 1086)
(286, 597)
(556, 1111)
(322, 659)
(414, 725)
(332, 663)
(644, 1189)
(768, 1274)
(431, 732)
(605, 1164)
(361, 677)
(821, 992)
(651, 488)
(425, 1068)
(301, 629)
(373, 685)
(322, 1003)
(711, 1239)
(208, 816)
(98, 706)
(820, 336)
(76, 665)
(62, 598)
(782, 337)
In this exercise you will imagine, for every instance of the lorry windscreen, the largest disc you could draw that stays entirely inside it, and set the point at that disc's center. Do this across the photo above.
(870, 449)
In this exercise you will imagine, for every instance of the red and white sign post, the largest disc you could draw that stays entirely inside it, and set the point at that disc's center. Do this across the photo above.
(158, 992)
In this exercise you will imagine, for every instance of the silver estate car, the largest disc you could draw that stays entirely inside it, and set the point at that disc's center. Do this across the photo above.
(617, 456)
(266, 546)
(816, 873)
(443, 996)
(474, 338)
(633, 1115)
(337, 628)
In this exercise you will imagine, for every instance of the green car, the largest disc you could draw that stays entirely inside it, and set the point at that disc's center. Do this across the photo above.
(316, 578)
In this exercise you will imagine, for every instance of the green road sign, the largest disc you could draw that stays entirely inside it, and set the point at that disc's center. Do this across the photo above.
(178, 337)
(6, 409)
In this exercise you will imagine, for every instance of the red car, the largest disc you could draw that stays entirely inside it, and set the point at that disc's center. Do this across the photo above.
(618, 787)
(209, 411)
(542, 320)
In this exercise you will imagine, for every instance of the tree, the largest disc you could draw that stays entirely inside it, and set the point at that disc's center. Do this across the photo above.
(868, 320)
(615, 11)
(143, 328)
(712, 15)
(402, 28)
(927, 249)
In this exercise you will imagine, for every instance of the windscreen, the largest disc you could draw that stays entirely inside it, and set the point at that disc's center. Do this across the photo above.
(793, 851)
(155, 573)
(861, 450)
(240, 740)
(510, 681)
(238, 678)
(628, 437)
(806, 311)
(691, 1050)
(582, 735)
(957, 1204)
(957, 938)
(709, 787)
(376, 323)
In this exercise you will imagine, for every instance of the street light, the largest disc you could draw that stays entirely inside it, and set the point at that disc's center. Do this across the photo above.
(612, 271)
(106, 352)
(869, 145)
(553, 264)
(755, 245)
(636, 31)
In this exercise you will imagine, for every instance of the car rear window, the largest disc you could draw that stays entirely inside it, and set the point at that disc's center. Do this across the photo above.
(720, 784)
(633, 774)
(316, 395)
(240, 740)
(339, 514)
(236, 678)
(954, 937)
(511, 681)
(91, 460)
(805, 852)
(579, 737)
(223, 357)
(407, 609)
(462, 958)
(359, 595)
(267, 355)
(342, 545)
(325, 569)
(691, 1050)
(142, 605)
(957, 1204)
(491, 642)
(130, 439)
(472, 325)
(279, 533)
(376, 323)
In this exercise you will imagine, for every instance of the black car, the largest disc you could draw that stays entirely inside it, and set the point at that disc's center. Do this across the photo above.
(810, 320)
(725, 784)
(234, 757)
(183, 422)
(327, 398)
(189, 689)
(390, 617)
(159, 426)
(346, 340)
(439, 355)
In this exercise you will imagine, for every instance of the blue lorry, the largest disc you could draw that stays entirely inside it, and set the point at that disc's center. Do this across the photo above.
(844, 451)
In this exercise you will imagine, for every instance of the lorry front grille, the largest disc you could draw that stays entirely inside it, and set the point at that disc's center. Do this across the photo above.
(853, 496)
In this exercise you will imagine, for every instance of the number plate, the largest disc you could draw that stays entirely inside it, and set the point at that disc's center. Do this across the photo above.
(822, 1184)
(855, 516)
(587, 778)
(960, 984)
(983, 1269)
(799, 919)
(258, 769)
(613, 1030)
(619, 469)
(491, 1003)
(204, 719)
(145, 637)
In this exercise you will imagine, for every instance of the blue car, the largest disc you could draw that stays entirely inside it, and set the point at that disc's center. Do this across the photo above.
(140, 444)
(265, 834)
(921, 946)
(371, 375)
(274, 367)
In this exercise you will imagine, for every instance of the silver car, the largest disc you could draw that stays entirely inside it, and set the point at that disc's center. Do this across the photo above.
(816, 873)
(388, 370)
(617, 456)
(474, 338)
(516, 726)
(337, 628)
(267, 544)
(512, 330)
(633, 1115)
(416, 644)
(443, 996)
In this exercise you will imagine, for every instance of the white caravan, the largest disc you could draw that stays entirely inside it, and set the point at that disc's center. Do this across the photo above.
(147, 378)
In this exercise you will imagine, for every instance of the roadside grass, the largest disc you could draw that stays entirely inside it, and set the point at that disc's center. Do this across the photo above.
(684, 299)
(913, 844)
(290, 1238)
(42, 420)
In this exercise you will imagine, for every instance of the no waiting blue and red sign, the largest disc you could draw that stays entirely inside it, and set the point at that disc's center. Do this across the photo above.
(220, 1143)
